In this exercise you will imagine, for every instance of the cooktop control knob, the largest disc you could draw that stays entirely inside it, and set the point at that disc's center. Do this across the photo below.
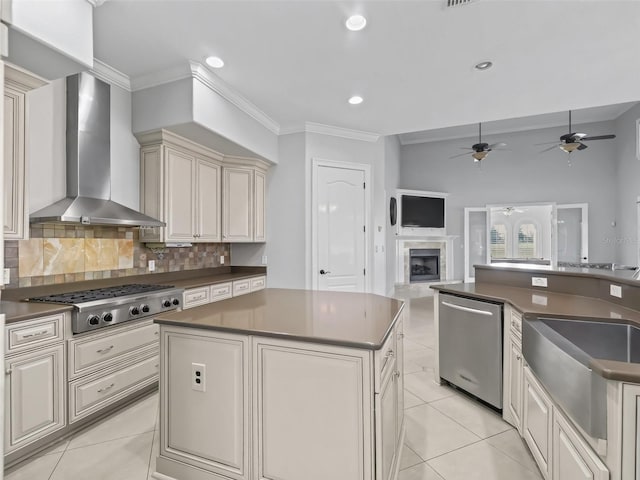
(144, 308)
(166, 303)
(175, 301)
(93, 320)
(134, 311)
(107, 317)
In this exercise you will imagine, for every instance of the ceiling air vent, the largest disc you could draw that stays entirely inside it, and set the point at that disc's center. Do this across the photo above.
(456, 3)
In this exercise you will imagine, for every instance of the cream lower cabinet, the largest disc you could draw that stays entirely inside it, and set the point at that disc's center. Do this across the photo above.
(180, 185)
(572, 459)
(34, 396)
(208, 424)
(630, 432)
(35, 380)
(537, 423)
(513, 368)
(298, 410)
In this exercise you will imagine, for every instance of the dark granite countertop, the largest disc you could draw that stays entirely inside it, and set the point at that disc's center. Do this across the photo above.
(357, 320)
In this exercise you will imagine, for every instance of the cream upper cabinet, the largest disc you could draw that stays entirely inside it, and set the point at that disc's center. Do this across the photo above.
(180, 185)
(16, 210)
(243, 202)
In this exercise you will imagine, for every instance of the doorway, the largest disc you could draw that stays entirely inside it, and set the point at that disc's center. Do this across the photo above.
(340, 206)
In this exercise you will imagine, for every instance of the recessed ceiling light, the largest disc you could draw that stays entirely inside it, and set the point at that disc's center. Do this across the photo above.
(484, 65)
(355, 100)
(215, 62)
(356, 22)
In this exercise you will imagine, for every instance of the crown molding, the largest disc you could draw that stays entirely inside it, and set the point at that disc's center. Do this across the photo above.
(217, 85)
(110, 75)
(160, 78)
(311, 127)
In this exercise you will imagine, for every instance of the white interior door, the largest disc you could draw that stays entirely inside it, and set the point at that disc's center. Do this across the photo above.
(573, 233)
(340, 227)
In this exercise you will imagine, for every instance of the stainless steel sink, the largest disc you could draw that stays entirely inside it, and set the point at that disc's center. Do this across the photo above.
(559, 352)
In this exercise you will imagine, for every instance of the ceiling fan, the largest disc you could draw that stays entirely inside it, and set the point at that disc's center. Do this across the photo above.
(570, 142)
(480, 150)
(508, 211)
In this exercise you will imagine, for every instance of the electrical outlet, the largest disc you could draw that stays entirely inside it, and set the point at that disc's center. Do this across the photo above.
(539, 299)
(221, 259)
(264, 259)
(539, 281)
(615, 290)
(152, 265)
(6, 276)
(198, 377)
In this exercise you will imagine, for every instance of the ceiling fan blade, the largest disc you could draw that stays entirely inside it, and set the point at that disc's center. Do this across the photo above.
(550, 148)
(578, 136)
(497, 145)
(599, 137)
(461, 155)
(582, 146)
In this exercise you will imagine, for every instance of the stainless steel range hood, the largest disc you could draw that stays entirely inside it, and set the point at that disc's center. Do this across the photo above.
(88, 199)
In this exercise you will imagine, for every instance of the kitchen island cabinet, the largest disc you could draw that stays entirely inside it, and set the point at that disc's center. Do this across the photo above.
(282, 384)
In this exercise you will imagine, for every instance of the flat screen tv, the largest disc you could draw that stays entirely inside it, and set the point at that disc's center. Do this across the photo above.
(422, 212)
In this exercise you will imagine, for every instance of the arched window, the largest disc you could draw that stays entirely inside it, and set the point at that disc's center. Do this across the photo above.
(527, 243)
(498, 241)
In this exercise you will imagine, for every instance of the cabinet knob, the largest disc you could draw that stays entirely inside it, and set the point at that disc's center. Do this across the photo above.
(389, 354)
(518, 357)
(397, 374)
(8, 371)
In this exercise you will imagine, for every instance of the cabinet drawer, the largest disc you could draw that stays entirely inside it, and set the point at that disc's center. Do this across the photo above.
(34, 333)
(87, 395)
(220, 291)
(516, 323)
(383, 360)
(240, 287)
(258, 283)
(93, 351)
(196, 296)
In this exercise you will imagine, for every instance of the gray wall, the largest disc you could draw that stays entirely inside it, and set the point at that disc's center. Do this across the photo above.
(520, 175)
(628, 180)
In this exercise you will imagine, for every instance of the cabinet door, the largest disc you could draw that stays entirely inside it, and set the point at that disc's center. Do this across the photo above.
(152, 191)
(237, 220)
(631, 432)
(209, 422)
(14, 163)
(572, 459)
(515, 383)
(34, 396)
(180, 174)
(312, 412)
(537, 426)
(386, 406)
(259, 234)
(400, 373)
(207, 202)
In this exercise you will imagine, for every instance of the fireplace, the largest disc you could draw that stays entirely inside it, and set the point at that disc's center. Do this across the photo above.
(424, 264)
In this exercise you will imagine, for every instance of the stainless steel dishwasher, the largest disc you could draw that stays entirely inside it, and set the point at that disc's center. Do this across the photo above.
(470, 346)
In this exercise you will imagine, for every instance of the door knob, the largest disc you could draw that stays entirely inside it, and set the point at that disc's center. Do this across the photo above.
(324, 272)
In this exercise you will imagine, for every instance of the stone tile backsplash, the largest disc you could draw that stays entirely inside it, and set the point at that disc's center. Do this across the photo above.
(69, 253)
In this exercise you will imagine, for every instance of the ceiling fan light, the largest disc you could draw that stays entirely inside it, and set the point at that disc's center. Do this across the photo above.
(569, 147)
(477, 156)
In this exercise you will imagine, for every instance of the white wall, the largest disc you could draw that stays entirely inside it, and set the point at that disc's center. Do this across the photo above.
(628, 182)
(521, 175)
(46, 149)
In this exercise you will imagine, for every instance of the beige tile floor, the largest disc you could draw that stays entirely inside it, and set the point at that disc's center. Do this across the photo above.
(448, 436)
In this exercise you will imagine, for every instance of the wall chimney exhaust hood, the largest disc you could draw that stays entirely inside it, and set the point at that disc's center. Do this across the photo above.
(88, 199)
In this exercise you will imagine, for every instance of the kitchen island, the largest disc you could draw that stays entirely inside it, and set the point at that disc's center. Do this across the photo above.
(282, 384)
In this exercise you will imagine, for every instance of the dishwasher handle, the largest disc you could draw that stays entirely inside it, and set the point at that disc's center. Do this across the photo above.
(467, 309)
